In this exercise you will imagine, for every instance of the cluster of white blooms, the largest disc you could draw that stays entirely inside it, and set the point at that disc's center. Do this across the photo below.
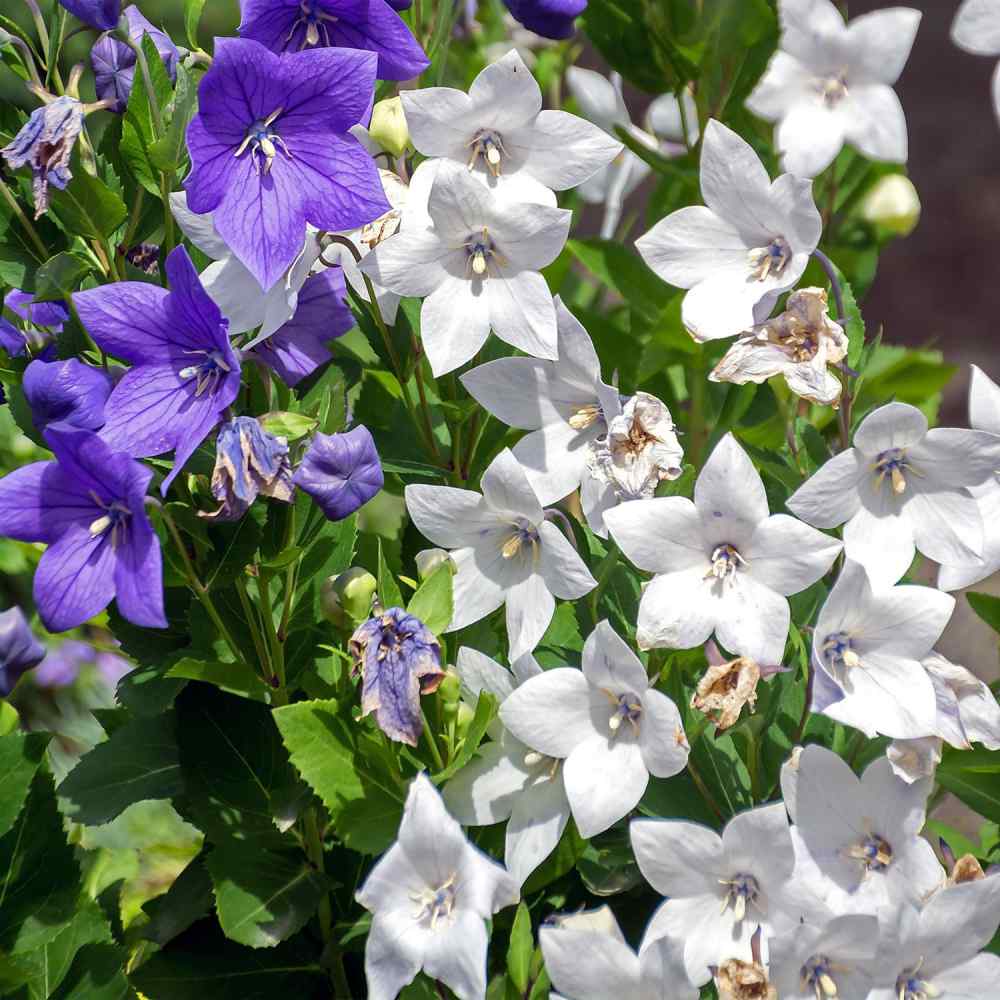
(830, 894)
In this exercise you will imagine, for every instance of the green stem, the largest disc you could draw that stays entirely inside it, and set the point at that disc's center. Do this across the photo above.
(147, 80)
(708, 797)
(253, 623)
(277, 649)
(8, 196)
(697, 431)
(133, 221)
(201, 592)
(314, 852)
(39, 21)
(432, 743)
(291, 577)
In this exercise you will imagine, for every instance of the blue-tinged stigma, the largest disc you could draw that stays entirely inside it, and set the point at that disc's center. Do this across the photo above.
(263, 142)
(894, 464)
(524, 535)
(726, 562)
(435, 904)
(769, 260)
(817, 974)
(627, 708)
(840, 657)
(481, 251)
(489, 145)
(315, 22)
(912, 986)
(115, 520)
(207, 373)
(743, 891)
(873, 851)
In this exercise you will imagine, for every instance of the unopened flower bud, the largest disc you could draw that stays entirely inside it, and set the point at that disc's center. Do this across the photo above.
(432, 559)
(449, 691)
(347, 599)
(894, 204)
(463, 719)
(388, 126)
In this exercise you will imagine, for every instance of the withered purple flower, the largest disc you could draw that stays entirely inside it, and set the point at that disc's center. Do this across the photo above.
(400, 659)
(248, 462)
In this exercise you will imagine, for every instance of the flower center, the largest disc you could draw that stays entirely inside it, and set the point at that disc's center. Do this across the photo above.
(481, 250)
(743, 891)
(524, 535)
(873, 851)
(726, 561)
(263, 142)
(840, 656)
(207, 373)
(545, 768)
(627, 708)
(817, 973)
(315, 22)
(585, 417)
(912, 986)
(488, 145)
(435, 904)
(894, 464)
(833, 89)
(114, 519)
(796, 340)
(772, 259)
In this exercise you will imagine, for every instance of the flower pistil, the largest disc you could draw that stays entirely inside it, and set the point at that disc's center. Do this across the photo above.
(435, 904)
(489, 145)
(263, 142)
(769, 260)
(912, 986)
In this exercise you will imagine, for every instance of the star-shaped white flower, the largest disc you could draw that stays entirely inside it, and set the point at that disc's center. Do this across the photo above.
(588, 963)
(231, 285)
(640, 450)
(612, 729)
(748, 244)
(868, 648)
(500, 133)
(984, 415)
(600, 99)
(935, 952)
(860, 835)
(719, 889)
(723, 564)
(831, 83)
(505, 550)
(902, 488)
(815, 962)
(508, 780)
(800, 345)
(562, 403)
(476, 268)
(429, 896)
(977, 30)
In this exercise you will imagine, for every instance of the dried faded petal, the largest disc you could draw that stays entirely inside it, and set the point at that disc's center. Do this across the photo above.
(966, 869)
(725, 688)
(738, 980)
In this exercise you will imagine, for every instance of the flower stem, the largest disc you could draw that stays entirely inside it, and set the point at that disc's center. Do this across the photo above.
(8, 196)
(432, 743)
(314, 852)
(39, 21)
(277, 649)
(831, 273)
(253, 623)
(706, 795)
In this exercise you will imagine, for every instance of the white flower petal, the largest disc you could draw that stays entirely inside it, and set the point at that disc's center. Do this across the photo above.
(199, 229)
(879, 43)
(881, 539)
(555, 457)
(565, 574)
(589, 965)
(677, 858)
(441, 121)
(877, 123)
(507, 491)
(521, 312)
(605, 778)
(479, 673)
(977, 27)
(949, 457)
(449, 517)
(984, 402)
(609, 663)
(808, 27)
(514, 391)
(780, 87)
(507, 92)
(431, 840)
(787, 556)
(457, 957)
(947, 525)
(971, 979)
(661, 736)
(530, 607)
(479, 585)
(486, 789)
(659, 535)
(751, 620)
(677, 610)
(830, 496)
(414, 262)
(895, 425)
(394, 953)
(536, 824)
(454, 322)
(729, 495)
(598, 99)
(809, 136)
(551, 712)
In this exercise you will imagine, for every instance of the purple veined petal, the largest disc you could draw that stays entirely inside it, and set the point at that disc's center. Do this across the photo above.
(11, 339)
(138, 574)
(128, 319)
(299, 347)
(52, 315)
(100, 14)
(341, 472)
(138, 26)
(113, 63)
(548, 18)
(75, 578)
(66, 391)
(93, 467)
(373, 25)
(195, 319)
(38, 502)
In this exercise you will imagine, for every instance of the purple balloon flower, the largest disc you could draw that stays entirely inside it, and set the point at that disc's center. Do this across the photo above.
(63, 664)
(550, 18)
(66, 390)
(248, 461)
(184, 374)
(400, 659)
(19, 649)
(45, 143)
(114, 62)
(372, 25)
(88, 506)
(271, 151)
(341, 472)
(299, 347)
(100, 14)
(41, 321)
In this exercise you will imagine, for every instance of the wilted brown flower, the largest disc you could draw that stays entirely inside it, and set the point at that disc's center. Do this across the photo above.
(725, 689)
(738, 980)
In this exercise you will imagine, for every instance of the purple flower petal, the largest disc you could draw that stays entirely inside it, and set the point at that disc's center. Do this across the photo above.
(373, 25)
(100, 14)
(549, 18)
(138, 576)
(75, 579)
(341, 472)
(20, 651)
(128, 319)
(52, 315)
(138, 26)
(38, 501)
(66, 390)
(113, 63)
(299, 347)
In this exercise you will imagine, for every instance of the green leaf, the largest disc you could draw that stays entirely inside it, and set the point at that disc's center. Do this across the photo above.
(88, 207)
(329, 549)
(236, 678)
(20, 755)
(433, 600)
(290, 426)
(192, 17)
(97, 973)
(138, 131)
(855, 327)
(60, 276)
(973, 776)
(987, 606)
(39, 873)
(519, 952)
(486, 710)
(263, 897)
(388, 590)
(625, 273)
(169, 153)
(186, 901)
(363, 800)
(138, 762)
(236, 771)
(221, 970)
